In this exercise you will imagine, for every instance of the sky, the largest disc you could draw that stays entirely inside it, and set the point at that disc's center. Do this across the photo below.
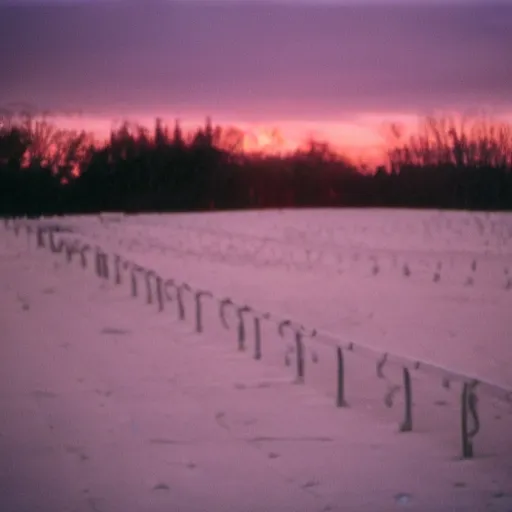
(306, 67)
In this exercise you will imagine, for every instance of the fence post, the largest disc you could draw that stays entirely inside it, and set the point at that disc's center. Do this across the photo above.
(241, 326)
(289, 350)
(133, 279)
(117, 268)
(104, 264)
(380, 365)
(257, 338)
(170, 283)
(223, 304)
(181, 305)
(147, 278)
(469, 407)
(160, 292)
(199, 319)
(98, 266)
(199, 323)
(241, 333)
(340, 394)
(101, 264)
(299, 344)
(407, 423)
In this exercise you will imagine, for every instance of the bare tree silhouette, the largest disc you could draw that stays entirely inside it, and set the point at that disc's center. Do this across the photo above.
(448, 163)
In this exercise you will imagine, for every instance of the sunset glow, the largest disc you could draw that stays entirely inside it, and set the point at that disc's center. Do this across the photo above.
(281, 73)
(332, 72)
(361, 139)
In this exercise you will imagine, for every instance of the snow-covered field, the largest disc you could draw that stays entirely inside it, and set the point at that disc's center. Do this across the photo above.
(431, 285)
(109, 404)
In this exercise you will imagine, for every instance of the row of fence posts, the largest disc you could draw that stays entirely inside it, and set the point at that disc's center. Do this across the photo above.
(160, 291)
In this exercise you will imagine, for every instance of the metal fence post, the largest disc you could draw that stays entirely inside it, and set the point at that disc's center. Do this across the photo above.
(117, 268)
(160, 293)
(101, 264)
(199, 317)
(133, 281)
(257, 338)
(223, 304)
(299, 344)
(469, 407)
(147, 278)
(340, 388)
(406, 426)
(181, 305)
(241, 327)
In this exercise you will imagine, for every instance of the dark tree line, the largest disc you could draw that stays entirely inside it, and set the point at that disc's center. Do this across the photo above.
(44, 170)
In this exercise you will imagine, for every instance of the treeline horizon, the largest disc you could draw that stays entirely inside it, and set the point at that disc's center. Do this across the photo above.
(447, 164)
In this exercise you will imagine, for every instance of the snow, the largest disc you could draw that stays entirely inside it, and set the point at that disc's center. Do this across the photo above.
(110, 405)
(261, 259)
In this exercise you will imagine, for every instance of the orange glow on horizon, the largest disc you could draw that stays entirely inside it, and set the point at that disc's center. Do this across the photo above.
(359, 140)
(362, 139)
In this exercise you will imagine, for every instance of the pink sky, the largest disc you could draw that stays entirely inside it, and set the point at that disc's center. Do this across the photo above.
(331, 69)
(362, 138)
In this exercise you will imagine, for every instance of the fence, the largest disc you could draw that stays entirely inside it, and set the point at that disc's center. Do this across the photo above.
(243, 320)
